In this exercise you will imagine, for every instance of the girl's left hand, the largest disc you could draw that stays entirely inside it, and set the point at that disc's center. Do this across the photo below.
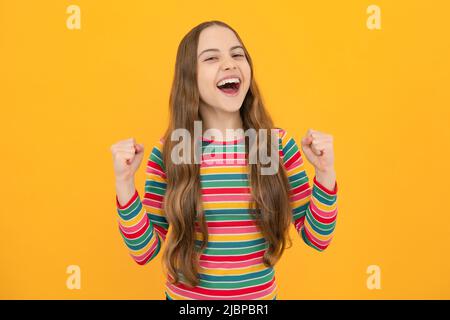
(318, 149)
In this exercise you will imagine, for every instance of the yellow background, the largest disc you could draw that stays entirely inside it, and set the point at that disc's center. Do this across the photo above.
(67, 95)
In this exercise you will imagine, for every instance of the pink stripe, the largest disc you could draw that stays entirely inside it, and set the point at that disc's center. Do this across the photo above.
(223, 258)
(306, 193)
(295, 164)
(154, 171)
(226, 190)
(232, 230)
(321, 213)
(152, 203)
(228, 197)
(299, 223)
(136, 227)
(230, 265)
(239, 163)
(196, 296)
(226, 156)
(214, 152)
(147, 253)
(315, 240)
(221, 163)
(161, 231)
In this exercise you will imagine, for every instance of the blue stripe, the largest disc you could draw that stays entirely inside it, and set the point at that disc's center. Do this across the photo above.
(152, 183)
(236, 277)
(230, 176)
(132, 213)
(230, 244)
(297, 176)
(288, 146)
(225, 211)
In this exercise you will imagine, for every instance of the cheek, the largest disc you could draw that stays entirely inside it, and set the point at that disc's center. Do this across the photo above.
(205, 79)
(247, 73)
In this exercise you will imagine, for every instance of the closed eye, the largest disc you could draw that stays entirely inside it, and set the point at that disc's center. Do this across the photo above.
(235, 55)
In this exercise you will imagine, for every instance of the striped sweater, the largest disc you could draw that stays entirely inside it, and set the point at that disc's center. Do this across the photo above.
(231, 266)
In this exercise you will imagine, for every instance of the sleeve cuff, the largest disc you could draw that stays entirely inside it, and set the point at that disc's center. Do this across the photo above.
(332, 192)
(126, 205)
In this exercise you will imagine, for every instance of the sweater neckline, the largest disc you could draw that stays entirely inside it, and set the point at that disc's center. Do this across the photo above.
(222, 141)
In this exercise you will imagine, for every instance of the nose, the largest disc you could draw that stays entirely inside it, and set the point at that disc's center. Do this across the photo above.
(229, 63)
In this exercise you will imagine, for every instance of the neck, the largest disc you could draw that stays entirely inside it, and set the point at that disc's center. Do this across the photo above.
(213, 118)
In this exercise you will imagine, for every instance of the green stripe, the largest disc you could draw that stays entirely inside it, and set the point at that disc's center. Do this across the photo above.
(234, 284)
(225, 149)
(220, 184)
(290, 153)
(299, 182)
(154, 190)
(329, 199)
(229, 217)
(131, 211)
(235, 251)
(305, 239)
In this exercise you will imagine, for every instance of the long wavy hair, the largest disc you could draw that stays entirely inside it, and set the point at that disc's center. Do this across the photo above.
(182, 201)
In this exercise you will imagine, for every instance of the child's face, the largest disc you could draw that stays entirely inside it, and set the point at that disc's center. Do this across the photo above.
(226, 60)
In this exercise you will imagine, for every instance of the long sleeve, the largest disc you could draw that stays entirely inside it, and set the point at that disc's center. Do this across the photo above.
(143, 224)
(314, 209)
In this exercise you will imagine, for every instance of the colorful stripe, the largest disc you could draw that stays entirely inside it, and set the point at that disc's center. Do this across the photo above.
(231, 266)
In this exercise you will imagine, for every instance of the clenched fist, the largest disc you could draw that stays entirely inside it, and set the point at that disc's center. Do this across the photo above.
(127, 157)
(318, 149)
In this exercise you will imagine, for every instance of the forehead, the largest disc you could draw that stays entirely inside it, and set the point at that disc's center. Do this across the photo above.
(217, 37)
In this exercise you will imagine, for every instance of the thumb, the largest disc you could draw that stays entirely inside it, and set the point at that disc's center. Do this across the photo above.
(306, 141)
(139, 148)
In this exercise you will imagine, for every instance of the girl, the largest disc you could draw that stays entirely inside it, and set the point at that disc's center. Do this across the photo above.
(229, 223)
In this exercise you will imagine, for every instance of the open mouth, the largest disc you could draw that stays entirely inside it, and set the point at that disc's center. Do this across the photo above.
(229, 86)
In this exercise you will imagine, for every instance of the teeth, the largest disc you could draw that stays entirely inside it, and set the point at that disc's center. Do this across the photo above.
(230, 80)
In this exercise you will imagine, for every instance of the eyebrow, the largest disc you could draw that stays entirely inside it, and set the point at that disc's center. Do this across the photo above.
(214, 49)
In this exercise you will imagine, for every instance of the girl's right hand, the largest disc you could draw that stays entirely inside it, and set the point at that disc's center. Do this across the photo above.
(127, 157)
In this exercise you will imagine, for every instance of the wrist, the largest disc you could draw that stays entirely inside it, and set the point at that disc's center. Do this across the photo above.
(325, 172)
(326, 178)
(125, 191)
(124, 183)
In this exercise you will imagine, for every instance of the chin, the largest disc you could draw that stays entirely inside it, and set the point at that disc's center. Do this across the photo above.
(231, 106)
